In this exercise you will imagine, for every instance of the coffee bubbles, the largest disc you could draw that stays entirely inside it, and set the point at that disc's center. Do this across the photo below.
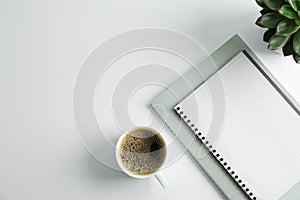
(142, 151)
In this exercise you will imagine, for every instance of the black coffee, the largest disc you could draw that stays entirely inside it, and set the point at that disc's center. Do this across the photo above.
(142, 151)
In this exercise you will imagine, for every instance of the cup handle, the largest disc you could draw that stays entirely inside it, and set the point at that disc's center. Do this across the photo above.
(162, 180)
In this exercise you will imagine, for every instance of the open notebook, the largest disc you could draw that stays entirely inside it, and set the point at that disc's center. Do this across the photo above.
(249, 126)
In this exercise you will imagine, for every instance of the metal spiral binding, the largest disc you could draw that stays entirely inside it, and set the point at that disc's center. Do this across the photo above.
(221, 160)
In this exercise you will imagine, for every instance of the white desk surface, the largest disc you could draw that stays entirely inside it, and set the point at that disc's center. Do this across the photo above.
(43, 45)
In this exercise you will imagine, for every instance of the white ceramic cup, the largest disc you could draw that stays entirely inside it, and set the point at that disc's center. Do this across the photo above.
(157, 173)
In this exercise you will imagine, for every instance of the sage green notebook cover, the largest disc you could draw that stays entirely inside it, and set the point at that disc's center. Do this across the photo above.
(164, 107)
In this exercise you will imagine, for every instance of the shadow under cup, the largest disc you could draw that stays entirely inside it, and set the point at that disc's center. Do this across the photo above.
(141, 152)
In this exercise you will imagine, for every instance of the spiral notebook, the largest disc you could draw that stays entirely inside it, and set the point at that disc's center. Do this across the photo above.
(250, 127)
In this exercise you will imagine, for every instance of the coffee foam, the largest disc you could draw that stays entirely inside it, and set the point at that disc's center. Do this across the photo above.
(142, 151)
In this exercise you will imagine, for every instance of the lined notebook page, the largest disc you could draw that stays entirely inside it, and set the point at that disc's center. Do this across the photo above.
(249, 127)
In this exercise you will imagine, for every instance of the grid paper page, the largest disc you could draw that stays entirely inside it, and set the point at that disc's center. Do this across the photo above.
(249, 127)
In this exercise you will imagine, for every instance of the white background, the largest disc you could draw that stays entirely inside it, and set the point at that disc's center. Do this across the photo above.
(43, 45)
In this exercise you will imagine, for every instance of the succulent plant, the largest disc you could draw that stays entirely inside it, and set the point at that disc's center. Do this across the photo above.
(282, 19)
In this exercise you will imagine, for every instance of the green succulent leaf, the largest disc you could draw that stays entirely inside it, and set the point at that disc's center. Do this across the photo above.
(299, 13)
(265, 11)
(297, 21)
(287, 27)
(296, 58)
(295, 4)
(288, 48)
(296, 43)
(268, 34)
(288, 12)
(274, 5)
(278, 41)
(261, 3)
(269, 20)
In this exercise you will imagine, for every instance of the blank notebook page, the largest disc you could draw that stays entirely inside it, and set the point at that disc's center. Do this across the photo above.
(249, 127)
